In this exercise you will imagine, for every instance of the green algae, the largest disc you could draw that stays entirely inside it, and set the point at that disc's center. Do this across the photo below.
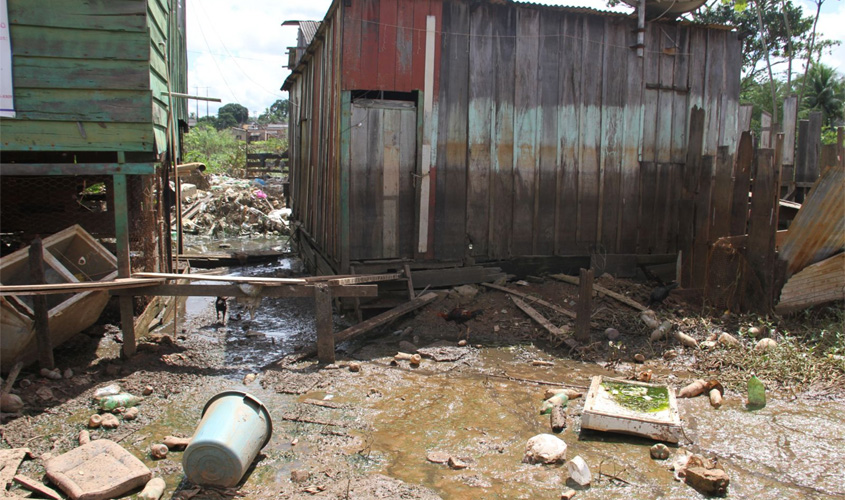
(638, 398)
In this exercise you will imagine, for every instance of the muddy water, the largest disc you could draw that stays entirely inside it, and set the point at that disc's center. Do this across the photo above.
(790, 449)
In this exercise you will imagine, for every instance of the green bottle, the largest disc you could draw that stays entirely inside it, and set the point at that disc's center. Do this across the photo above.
(558, 399)
(122, 400)
(756, 392)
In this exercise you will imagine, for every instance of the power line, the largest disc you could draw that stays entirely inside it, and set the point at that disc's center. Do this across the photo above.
(222, 76)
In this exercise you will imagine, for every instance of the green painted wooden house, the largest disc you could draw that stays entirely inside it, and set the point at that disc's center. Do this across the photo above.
(90, 88)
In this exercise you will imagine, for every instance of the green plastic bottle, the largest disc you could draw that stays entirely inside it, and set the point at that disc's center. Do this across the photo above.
(122, 400)
(558, 399)
(756, 392)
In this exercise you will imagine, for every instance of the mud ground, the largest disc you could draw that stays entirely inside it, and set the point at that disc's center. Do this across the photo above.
(366, 434)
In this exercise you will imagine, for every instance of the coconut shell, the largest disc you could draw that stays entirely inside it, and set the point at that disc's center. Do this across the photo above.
(11, 403)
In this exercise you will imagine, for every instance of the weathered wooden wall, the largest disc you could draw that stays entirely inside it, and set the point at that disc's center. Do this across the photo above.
(550, 135)
(315, 141)
(88, 76)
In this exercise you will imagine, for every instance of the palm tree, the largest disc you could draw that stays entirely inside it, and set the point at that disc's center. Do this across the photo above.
(826, 93)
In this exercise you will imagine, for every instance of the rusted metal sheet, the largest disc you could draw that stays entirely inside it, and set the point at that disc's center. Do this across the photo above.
(816, 284)
(818, 230)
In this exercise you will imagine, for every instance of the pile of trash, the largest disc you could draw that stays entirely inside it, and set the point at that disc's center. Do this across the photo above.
(235, 207)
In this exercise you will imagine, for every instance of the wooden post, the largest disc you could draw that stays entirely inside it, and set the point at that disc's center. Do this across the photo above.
(124, 268)
(761, 231)
(325, 334)
(692, 173)
(39, 306)
(585, 297)
(407, 269)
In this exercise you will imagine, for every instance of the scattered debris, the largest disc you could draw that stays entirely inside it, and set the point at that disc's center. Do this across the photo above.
(437, 457)
(299, 476)
(659, 451)
(685, 339)
(99, 470)
(10, 460)
(765, 344)
(696, 388)
(568, 494)
(726, 338)
(109, 421)
(159, 451)
(131, 413)
(557, 418)
(661, 331)
(639, 358)
(544, 449)
(176, 443)
(354, 367)
(11, 403)
(153, 490)
(457, 463)
(540, 362)
(84, 437)
(37, 487)
(716, 392)
(579, 471)
(611, 333)
(249, 378)
(95, 421)
(54, 374)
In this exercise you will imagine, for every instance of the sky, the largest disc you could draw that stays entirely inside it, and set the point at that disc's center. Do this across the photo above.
(237, 50)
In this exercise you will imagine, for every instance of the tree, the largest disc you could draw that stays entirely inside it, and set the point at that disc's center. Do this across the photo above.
(277, 112)
(218, 149)
(826, 93)
(231, 115)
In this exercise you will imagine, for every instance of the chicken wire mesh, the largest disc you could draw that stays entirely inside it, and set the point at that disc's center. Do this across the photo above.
(33, 206)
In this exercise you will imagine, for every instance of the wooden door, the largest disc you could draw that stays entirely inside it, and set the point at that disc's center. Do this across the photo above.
(381, 186)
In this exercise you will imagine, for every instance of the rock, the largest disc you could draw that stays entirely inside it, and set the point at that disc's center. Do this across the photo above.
(670, 354)
(84, 437)
(708, 345)
(44, 393)
(755, 331)
(437, 457)
(131, 414)
(354, 367)
(68, 373)
(765, 344)
(726, 338)
(611, 334)
(95, 421)
(99, 470)
(650, 319)
(54, 374)
(544, 449)
(299, 476)
(159, 451)
(579, 471)
(457, 463)
(567, 495)
(147, 390)
(248, 378)
(153, 490)
(639, 358)
(11, 403)
(176, 443)
(405, 346)
(659, 451)
(110, 421)
(661, 331)
(710, 482)
(466, 291)
(462, 343)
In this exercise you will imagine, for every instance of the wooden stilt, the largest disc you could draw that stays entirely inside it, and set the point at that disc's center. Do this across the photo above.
(124, 268)
(325, 333)
(39, 306)
(411, 294)
(585, 297)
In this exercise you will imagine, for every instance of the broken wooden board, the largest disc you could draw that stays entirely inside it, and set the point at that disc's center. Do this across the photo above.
(555, 332)
(10, 460)
(385, 317)
(87, 286)
(602, 291)
(256, 280)
(603, 412)
(37, 487)
(816, 284)
(818, 230)
(364, 278)
(532, 299)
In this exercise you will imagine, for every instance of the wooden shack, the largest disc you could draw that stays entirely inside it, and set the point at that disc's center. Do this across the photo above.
(91, 118)
(447, 131)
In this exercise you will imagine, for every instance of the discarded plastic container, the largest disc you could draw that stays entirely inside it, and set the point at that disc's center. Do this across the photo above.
(122, 400)
(234, 427)
(756, 392)
(109, 390)
(558, 399)
(579, 471)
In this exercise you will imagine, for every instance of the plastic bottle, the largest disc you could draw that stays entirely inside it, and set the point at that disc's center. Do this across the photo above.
(756, 392)
(557, 399)
(109, 390)
(579, 471)
(122, 400)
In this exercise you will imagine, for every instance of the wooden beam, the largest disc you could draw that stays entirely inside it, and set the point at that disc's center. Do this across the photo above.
(124, 270)
(385, 317)
(203, 290)
(555, 332)
(407, 270)
(39, 306)
(85, 286)
(325, 336)
(366, 278)
(230, 279)
(535, 300)
(42, 169)
(601, 290)
(582, 321)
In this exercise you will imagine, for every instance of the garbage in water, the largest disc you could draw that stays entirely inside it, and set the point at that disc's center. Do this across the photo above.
(122, 400)
(630, 407)
(560, 399)
(235, 426)
(544, 449)
(659, 451)
(579, 471)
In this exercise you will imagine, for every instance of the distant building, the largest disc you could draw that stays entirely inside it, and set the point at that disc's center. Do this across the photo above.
(254, 132)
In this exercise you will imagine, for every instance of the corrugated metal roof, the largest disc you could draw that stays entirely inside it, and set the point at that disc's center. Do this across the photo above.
(818, 230)
(309, 30)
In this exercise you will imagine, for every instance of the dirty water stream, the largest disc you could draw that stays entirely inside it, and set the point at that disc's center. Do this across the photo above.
(389, 418)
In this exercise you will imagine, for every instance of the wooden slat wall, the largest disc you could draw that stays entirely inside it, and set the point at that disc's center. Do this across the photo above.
(551, 135)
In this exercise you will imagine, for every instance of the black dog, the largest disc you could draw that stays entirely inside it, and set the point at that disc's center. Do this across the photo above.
(220, 306)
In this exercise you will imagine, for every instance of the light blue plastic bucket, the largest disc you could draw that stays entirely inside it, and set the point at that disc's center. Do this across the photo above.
(234, 427)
